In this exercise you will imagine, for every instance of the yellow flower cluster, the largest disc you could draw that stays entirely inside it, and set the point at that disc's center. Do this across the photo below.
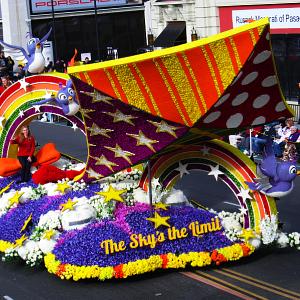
(170, 260)
(235, 251)
(5, 245)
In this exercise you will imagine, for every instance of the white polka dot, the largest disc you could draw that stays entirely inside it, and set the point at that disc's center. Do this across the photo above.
(212, 117)
(234, 121)
(222, 100)
(259, 120)
(280, 106)
(261, 101)
(261, 57)
(269, 81)
(249, 78)
(268, 36)
(239, 99)
(237, 78)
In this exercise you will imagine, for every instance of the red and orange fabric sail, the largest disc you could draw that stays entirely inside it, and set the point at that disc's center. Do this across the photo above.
(137, 106)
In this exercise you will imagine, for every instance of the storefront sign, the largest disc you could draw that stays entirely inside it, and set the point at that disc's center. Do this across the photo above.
(283, 18)
(38, 6)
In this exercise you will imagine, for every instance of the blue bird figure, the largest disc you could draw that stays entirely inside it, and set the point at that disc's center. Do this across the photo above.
(35, 58)
(275, 178)
(65, 98)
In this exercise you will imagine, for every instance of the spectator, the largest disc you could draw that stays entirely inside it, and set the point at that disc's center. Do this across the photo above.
(5, 82)
(49, 67)
(59, 66)
(290, 151)
(20, 72)
(3, 64)
(283, 134)
(87, 61)
(10, 66)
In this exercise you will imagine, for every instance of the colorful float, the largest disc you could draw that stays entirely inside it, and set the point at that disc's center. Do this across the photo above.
(149, 120)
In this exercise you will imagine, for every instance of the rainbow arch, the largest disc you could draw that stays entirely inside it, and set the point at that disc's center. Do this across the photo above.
(236, 168)
(16, 106)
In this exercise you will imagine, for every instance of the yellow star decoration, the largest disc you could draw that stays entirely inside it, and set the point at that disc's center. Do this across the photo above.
(6, 188)
(143, 140)
(68, 205)
(112, 194)
(247, 234)
(85, 112)
(26, 223)
(160, 206)
(159, 220)
(119, 152)
(15, 198)
(19, 242)
(61, 187)
(103, 161)
(49, 234)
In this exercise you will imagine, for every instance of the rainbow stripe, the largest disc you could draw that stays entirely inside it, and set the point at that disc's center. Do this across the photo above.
(237, 169)
(16, 105)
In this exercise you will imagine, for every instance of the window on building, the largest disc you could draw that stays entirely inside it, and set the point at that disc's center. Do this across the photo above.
(286, 49)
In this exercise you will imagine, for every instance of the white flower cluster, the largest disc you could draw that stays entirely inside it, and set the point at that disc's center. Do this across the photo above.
(32, 255)
(5, 203)
(288, 239)
(77, 185)
(268, 229)
(103, 209)
(37, 193)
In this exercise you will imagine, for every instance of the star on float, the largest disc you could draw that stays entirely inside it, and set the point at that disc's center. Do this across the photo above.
(21, 114)
(160, 205)
(247, 234)
(26, 223)
(37, 108)
(155, 182)
(215, 172)
(93, 174)
(24, 84)
(62, 187)
(2, 119)
(120, 117)
(204, 150)
(96, 130)
(182, 169)
(86, 112)
(119, 152)
(49, 95)
(103, 161)
(74, 126)
(163, 126)
(243, 210)
(112, 194)
(159, 220)
(49, 234)
(19, 242)
(68, 205)
(15, 198)
(244, 194)
(142, 140)
(98, 97)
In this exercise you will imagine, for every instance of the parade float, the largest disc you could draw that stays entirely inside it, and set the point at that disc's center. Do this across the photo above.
(149, 120)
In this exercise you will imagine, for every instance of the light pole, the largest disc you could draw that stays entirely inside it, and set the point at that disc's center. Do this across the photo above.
(96, 27)
(54, 35)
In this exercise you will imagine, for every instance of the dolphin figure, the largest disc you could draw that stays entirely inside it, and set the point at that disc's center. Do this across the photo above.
(275, 178)
(35, 59)
(65, 98)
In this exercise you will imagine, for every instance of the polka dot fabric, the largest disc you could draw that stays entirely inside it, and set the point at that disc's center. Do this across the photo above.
(253, 98)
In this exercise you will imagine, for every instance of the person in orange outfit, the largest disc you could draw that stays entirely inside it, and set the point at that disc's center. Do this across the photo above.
(26, 147)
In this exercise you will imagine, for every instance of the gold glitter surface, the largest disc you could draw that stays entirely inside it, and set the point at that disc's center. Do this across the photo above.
(195, 81)
(236, 53)
(147, 89)
(130, 87)
(252, 37)
(212, 72)
(223, 61)
(183, 86)
(112, 83)
(170, 91)
(88, 79)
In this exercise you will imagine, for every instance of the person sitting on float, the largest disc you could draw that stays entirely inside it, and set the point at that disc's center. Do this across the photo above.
(26, 148)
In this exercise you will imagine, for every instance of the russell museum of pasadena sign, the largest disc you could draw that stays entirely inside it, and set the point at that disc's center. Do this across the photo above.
(138, 240)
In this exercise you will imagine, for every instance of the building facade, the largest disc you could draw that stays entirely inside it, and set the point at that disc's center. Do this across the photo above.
(207, 17)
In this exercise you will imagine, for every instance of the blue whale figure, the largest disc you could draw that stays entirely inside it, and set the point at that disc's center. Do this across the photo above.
(65, 98)
(35, 59)
(275, 178)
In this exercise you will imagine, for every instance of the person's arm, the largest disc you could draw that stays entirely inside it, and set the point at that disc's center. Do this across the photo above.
(14, 140)
(32, 146)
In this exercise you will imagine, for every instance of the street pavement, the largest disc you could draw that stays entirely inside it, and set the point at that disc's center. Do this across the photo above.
(275, 269)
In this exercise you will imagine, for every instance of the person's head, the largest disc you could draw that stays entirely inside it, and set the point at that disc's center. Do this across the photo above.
(9, 58)
(20, 67)
(289, 122)
(294, 129)
(1, 54)
(24, 132)
(86, 59)
(5, 81)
